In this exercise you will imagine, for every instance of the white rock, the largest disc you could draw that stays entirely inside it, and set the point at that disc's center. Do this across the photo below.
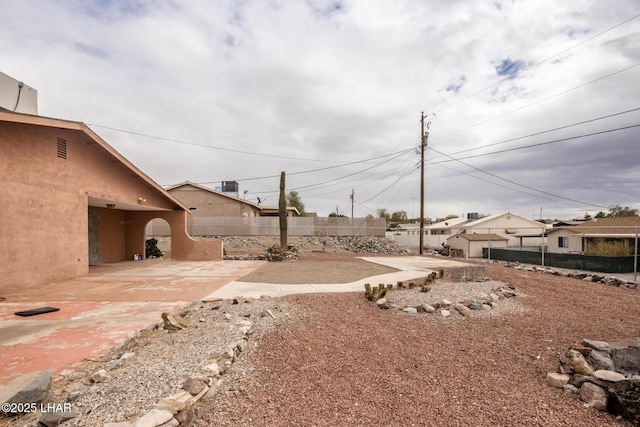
(213, 368)
(153, 418)
(99, 376)
(445, 313)
(410, 309)
(606, 375)
(557, 380)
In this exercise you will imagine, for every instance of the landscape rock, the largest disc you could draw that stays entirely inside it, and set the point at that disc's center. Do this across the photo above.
(53, 419)
(383, 303)
(596, 345)
(462, 309)
(445, 313)
(31, 388)
(624, 400)
(626, 355)
(153, 418)
(593, 396)
(193, 386)
(599, 359)
(610, 376)
(99, 377)
(579, 364)
(427, 308)
(557, 380)
(171, 323)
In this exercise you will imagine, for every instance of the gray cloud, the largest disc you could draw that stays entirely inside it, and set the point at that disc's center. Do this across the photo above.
(310, 86)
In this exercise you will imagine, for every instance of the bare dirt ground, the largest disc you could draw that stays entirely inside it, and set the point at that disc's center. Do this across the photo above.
(321, 267)
(339, 360)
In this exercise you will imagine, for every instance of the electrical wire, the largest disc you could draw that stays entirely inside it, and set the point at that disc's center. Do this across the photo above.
(582, 203)
(537, 102)
(538, 63)
(537, 144)
(542, 132)
(231, 150)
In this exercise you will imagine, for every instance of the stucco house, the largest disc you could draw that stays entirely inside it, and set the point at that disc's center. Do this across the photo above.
(71, 201)
(470, 245)
(204, 201)
(577, 239)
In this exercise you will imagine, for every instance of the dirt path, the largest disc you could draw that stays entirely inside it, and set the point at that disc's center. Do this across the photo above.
(339, 360)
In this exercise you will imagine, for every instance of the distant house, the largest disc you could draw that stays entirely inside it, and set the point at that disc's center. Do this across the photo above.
(506, 225)
(204, 201)
(70, 200)
(578, 239)
(470, 245)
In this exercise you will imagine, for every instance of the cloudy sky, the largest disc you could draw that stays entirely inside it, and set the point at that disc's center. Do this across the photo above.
(534, 105)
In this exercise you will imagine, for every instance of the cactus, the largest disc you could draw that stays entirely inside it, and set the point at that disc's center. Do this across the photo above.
(282, 211)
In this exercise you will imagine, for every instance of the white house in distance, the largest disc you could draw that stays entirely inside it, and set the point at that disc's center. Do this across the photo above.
(507, 226)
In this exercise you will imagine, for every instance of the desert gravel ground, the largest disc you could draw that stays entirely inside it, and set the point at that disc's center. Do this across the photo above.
(340, 361)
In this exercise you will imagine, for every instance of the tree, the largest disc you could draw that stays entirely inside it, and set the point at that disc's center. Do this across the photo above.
(382, 213)
(399, 217)
(293, 200)
(618, 211)
(600, 215)
(336, 215)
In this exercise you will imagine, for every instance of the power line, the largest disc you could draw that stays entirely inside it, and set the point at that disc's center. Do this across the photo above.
(542, 132)
(538, 63)
(319, 169)
(345, 176)
(539, 101)
(535, 145)
(177, 141)
(518, 184)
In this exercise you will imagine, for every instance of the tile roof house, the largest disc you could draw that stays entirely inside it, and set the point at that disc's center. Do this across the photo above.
(71, 201)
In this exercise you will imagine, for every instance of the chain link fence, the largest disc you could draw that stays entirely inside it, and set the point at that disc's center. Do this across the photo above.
(611, 250)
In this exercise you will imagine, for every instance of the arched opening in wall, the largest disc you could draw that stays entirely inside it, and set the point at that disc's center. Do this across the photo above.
(160, 230)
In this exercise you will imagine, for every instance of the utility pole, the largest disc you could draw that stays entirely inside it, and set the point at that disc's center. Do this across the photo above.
(352, 197)
(424, 137)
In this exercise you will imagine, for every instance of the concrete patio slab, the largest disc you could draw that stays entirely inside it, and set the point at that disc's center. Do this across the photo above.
(100, 311)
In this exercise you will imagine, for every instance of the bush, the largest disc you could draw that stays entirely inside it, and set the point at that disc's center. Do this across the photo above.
(151, 248)
(603, 247)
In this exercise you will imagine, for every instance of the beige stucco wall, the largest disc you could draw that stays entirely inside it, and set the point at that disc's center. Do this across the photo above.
(211, 204)
(44, 218)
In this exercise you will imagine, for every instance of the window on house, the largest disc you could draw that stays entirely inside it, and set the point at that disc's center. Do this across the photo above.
(193, 208)
(61, 148)
(563, 242)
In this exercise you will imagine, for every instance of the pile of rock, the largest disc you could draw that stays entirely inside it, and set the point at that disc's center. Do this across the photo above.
(276, 253)
(372, 245)
(445, 307)
(605, 376)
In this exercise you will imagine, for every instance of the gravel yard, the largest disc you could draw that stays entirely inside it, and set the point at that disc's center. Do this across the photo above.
(339, 360)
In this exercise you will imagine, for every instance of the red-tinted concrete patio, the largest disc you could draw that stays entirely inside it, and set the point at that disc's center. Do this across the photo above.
(100, 311)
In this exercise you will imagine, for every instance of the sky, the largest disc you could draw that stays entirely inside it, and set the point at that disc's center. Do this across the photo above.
(531, 107)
